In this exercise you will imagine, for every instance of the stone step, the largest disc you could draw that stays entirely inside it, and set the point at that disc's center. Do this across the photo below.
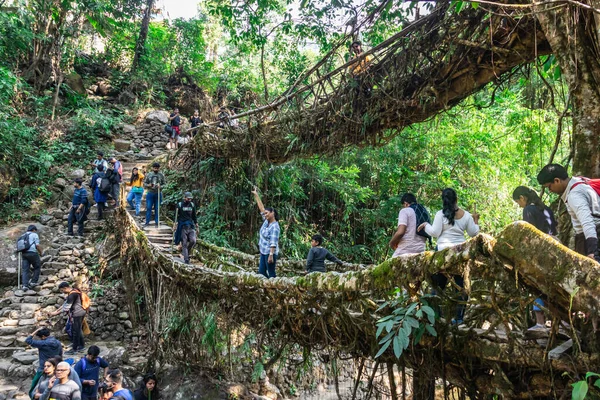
(8, 351)
(163, 239)
(161, 230)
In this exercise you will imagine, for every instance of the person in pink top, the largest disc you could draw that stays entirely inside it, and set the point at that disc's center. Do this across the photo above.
(406, 240)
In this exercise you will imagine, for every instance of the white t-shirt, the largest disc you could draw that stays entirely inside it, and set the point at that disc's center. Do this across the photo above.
(449, 235)
(410, 243)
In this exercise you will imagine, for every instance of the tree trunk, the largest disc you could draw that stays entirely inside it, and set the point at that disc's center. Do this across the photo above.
(423, 384)
(573, 33)
(140, 45)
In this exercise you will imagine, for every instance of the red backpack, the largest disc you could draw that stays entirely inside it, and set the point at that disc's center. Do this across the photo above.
(593, 183)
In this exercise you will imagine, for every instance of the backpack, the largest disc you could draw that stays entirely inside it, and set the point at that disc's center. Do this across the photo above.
(168, 129)
(84, 363)
(105, 185)
(422, 216)
(593, 183)
(23, 243)
(86, 302)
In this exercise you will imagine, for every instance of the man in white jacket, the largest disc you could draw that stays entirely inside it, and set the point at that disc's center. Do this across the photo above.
(583, 205)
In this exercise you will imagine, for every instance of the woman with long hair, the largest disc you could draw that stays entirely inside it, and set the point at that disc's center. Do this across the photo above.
(268, 242)
(137, 190)
(541, 216)
(148, 389)
(49, 367)
(449, 227)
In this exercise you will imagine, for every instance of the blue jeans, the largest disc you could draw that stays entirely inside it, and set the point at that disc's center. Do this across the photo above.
(152, 201)
(264, 266)
(138, 201)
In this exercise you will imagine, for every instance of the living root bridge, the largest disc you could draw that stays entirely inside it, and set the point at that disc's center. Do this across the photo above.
(338, 311)
(427, 68)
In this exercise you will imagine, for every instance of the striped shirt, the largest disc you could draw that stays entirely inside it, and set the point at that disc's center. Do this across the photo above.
(80, 197)
(269, 237)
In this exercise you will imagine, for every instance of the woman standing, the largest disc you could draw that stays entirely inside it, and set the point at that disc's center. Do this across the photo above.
(539, 215)
(149, 389)
(449, 227)
(137, 190)
(268, 242)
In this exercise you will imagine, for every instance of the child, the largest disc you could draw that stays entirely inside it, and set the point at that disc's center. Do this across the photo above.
(315, 261)
(539, 215)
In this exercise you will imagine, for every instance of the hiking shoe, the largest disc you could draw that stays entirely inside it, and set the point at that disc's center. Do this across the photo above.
(70, 352)
(33, 284)
(456, 322)
(25, 288)
(537, 327)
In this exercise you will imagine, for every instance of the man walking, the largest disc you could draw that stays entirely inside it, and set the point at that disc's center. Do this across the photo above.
(406, 240)
(583, 205)
(60, 386)
(153, 182)
(88, 369)
(175, 121)
(73, 306)
(116, 179)
(188, 224)
(31, 259)
(78, 208)
(48, 347)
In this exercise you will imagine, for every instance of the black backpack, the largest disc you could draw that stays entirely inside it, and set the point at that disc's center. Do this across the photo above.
(23, 243)
(422, 216)
(105, 185)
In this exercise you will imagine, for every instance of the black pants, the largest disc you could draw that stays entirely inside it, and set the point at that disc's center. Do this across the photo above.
(440, 281)
(101, 206)
(76, 217)
(77, 333)
(31, 260)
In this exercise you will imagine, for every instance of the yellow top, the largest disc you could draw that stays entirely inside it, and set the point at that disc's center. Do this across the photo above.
(360, 66)
(139, 181)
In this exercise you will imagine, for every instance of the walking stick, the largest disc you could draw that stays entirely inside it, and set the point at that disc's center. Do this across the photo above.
(19, 261)
(158, 207)
(174, 231)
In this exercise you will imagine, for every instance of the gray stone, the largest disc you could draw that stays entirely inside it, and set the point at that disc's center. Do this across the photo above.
(44, 219)
(122, 145)
(158, 116)
(123, 315)
(27, 322)
(128, 128)
(78, 173)
(30, 307)
(25, 357)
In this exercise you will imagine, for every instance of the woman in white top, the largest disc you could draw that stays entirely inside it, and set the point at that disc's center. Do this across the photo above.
(449, 227)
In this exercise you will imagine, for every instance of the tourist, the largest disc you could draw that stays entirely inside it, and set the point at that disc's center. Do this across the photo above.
(268, 242)
(73, 306)
(195, 121)
(361, 66)
(175, 121)
(137, 190)
(406, 240)
(539, 215)
(315, 261)
(88, 369)
(31, 259)
(99, 197)
(114, 381)
(148, 389)
(187, 224)
(79, 208)
(39, 387)
(224, 117)
(99, 161)
(48, 347)
(449, 226)
(115, 179)
(61, 387)
(104, 393)
(582, 204)
(153, 181)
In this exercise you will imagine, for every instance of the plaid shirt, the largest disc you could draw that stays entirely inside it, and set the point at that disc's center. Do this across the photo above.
(269, 237)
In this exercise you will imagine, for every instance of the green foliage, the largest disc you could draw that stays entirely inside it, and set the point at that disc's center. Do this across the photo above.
(407, 319)
(581, 389)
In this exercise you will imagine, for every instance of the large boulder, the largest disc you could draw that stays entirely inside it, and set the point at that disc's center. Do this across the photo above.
(158, 116)
(128, 128)
(127, 98)
(122, 145)
(78, 173)
(75, 82)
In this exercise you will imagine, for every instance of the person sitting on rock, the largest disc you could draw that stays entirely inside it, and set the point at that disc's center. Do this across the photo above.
(195, 121)
(48, 347)
(99, 197)
(99, 161)
(153, 181)
(114, 381)
(61, 387)
(137, 190)
(74, 308)
(148, 389)
(31, 259)
(175, 121)
(187, 224)
(79, 208)
(88, 369)
(315, 261)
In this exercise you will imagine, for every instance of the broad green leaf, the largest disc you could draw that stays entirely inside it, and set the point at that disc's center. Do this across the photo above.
(383, 348)
(430, 329)
(379, 329)
(387, 337)
(397, 347)
(580, 390)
